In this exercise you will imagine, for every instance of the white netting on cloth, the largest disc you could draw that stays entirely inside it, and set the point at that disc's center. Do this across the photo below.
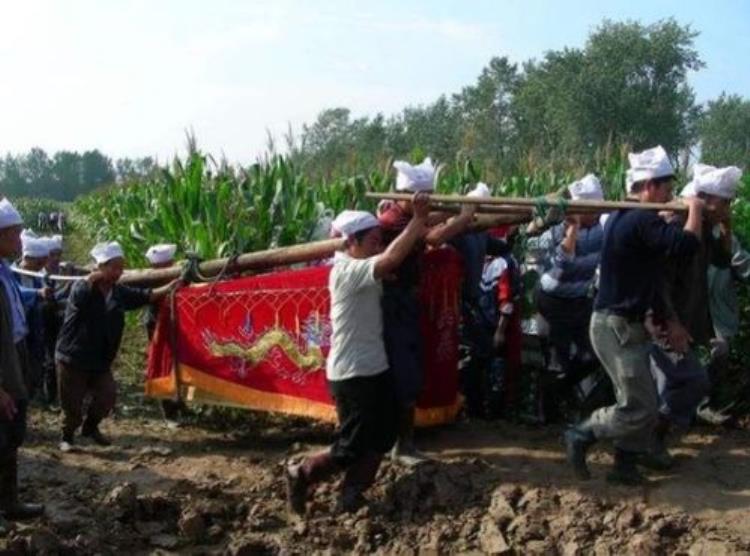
(287, 328)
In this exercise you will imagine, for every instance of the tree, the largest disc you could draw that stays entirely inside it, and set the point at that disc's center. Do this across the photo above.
(66, 170)
(96, 170)
(37, 173)
(628, 85)
(724, 132)
(487, 127)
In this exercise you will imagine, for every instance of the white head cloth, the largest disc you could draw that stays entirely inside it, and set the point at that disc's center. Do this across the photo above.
(9, 216)
(481, 191)
(719, 182)
(162, 253)
(415, 178)
(35, 247)
(56, 242)
(105, 252)
(587, 188)
(27, 233)
(349, 222)
(649, 165)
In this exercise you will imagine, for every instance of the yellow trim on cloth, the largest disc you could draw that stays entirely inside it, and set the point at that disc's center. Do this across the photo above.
(203, 387)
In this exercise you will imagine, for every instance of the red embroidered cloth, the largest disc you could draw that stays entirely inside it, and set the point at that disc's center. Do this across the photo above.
(260, 342)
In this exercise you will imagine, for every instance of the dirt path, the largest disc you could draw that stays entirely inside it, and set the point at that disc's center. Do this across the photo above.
(493, 488)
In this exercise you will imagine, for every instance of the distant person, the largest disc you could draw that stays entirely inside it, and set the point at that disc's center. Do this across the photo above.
(725, 314)
(474, 247)
(501, 334)
(162, 256)
(60, 224)
(565, 296)
(14, 394)
(35, 251)
(53, 311)
(681, 377)
(89, 340)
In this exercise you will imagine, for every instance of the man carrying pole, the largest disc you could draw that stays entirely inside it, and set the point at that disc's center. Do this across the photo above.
(566, 289)
(358, 373)
(401, 312)
(14, 395)
(632, 261)
(681, 378)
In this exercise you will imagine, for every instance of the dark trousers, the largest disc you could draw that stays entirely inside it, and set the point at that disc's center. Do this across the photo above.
(402, 336)
(13, 432)
(74, 385)
(367, 413)
(569, 321)
(478, 381)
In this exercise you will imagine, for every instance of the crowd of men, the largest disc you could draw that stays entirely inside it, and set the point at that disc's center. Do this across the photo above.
(635, 292)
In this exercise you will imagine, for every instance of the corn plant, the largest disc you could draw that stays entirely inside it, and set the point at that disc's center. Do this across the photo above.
(215, 210)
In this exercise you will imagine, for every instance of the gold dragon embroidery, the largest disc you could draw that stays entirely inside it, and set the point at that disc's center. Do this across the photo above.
(275, 337)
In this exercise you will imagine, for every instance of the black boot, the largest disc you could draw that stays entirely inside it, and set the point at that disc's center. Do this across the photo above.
(578, 440)
(299, 479)
(404, 452)
(91, 430)
(658, 458)
(625, 472)
(11, 508)
(296, 490)
(358, 478)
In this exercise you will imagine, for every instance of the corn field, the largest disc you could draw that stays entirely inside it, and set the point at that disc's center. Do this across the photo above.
(215, 210)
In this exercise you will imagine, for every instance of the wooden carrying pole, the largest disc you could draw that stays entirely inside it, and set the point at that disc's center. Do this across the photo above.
(531, 203)
(282, 256)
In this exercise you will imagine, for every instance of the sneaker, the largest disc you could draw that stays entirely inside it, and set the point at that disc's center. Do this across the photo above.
(67, 443)
(66, 447)
(408, 457)
(95, 434)
(711, 416)
(172, 424)
(296, 490)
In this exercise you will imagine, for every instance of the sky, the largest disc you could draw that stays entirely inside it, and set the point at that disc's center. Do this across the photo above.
(130, 77)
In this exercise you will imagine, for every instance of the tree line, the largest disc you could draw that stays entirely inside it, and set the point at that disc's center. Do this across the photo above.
(628, 85)
(66, 174)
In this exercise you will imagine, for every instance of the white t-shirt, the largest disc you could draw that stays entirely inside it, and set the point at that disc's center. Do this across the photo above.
(357, 347)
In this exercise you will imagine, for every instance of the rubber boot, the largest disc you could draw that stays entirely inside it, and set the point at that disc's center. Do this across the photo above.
(359, 477)
(10, 507)
(299, 479)
(91, 430)
(625, 472)
(658, 458)
(578, 440)
(404, 452)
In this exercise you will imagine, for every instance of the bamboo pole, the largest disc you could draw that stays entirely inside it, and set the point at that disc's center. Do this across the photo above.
(571, 206)
(284, 256)
(259, 260)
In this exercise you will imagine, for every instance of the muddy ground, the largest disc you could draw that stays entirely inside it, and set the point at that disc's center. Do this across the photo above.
(215, 486)
(492, 488)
